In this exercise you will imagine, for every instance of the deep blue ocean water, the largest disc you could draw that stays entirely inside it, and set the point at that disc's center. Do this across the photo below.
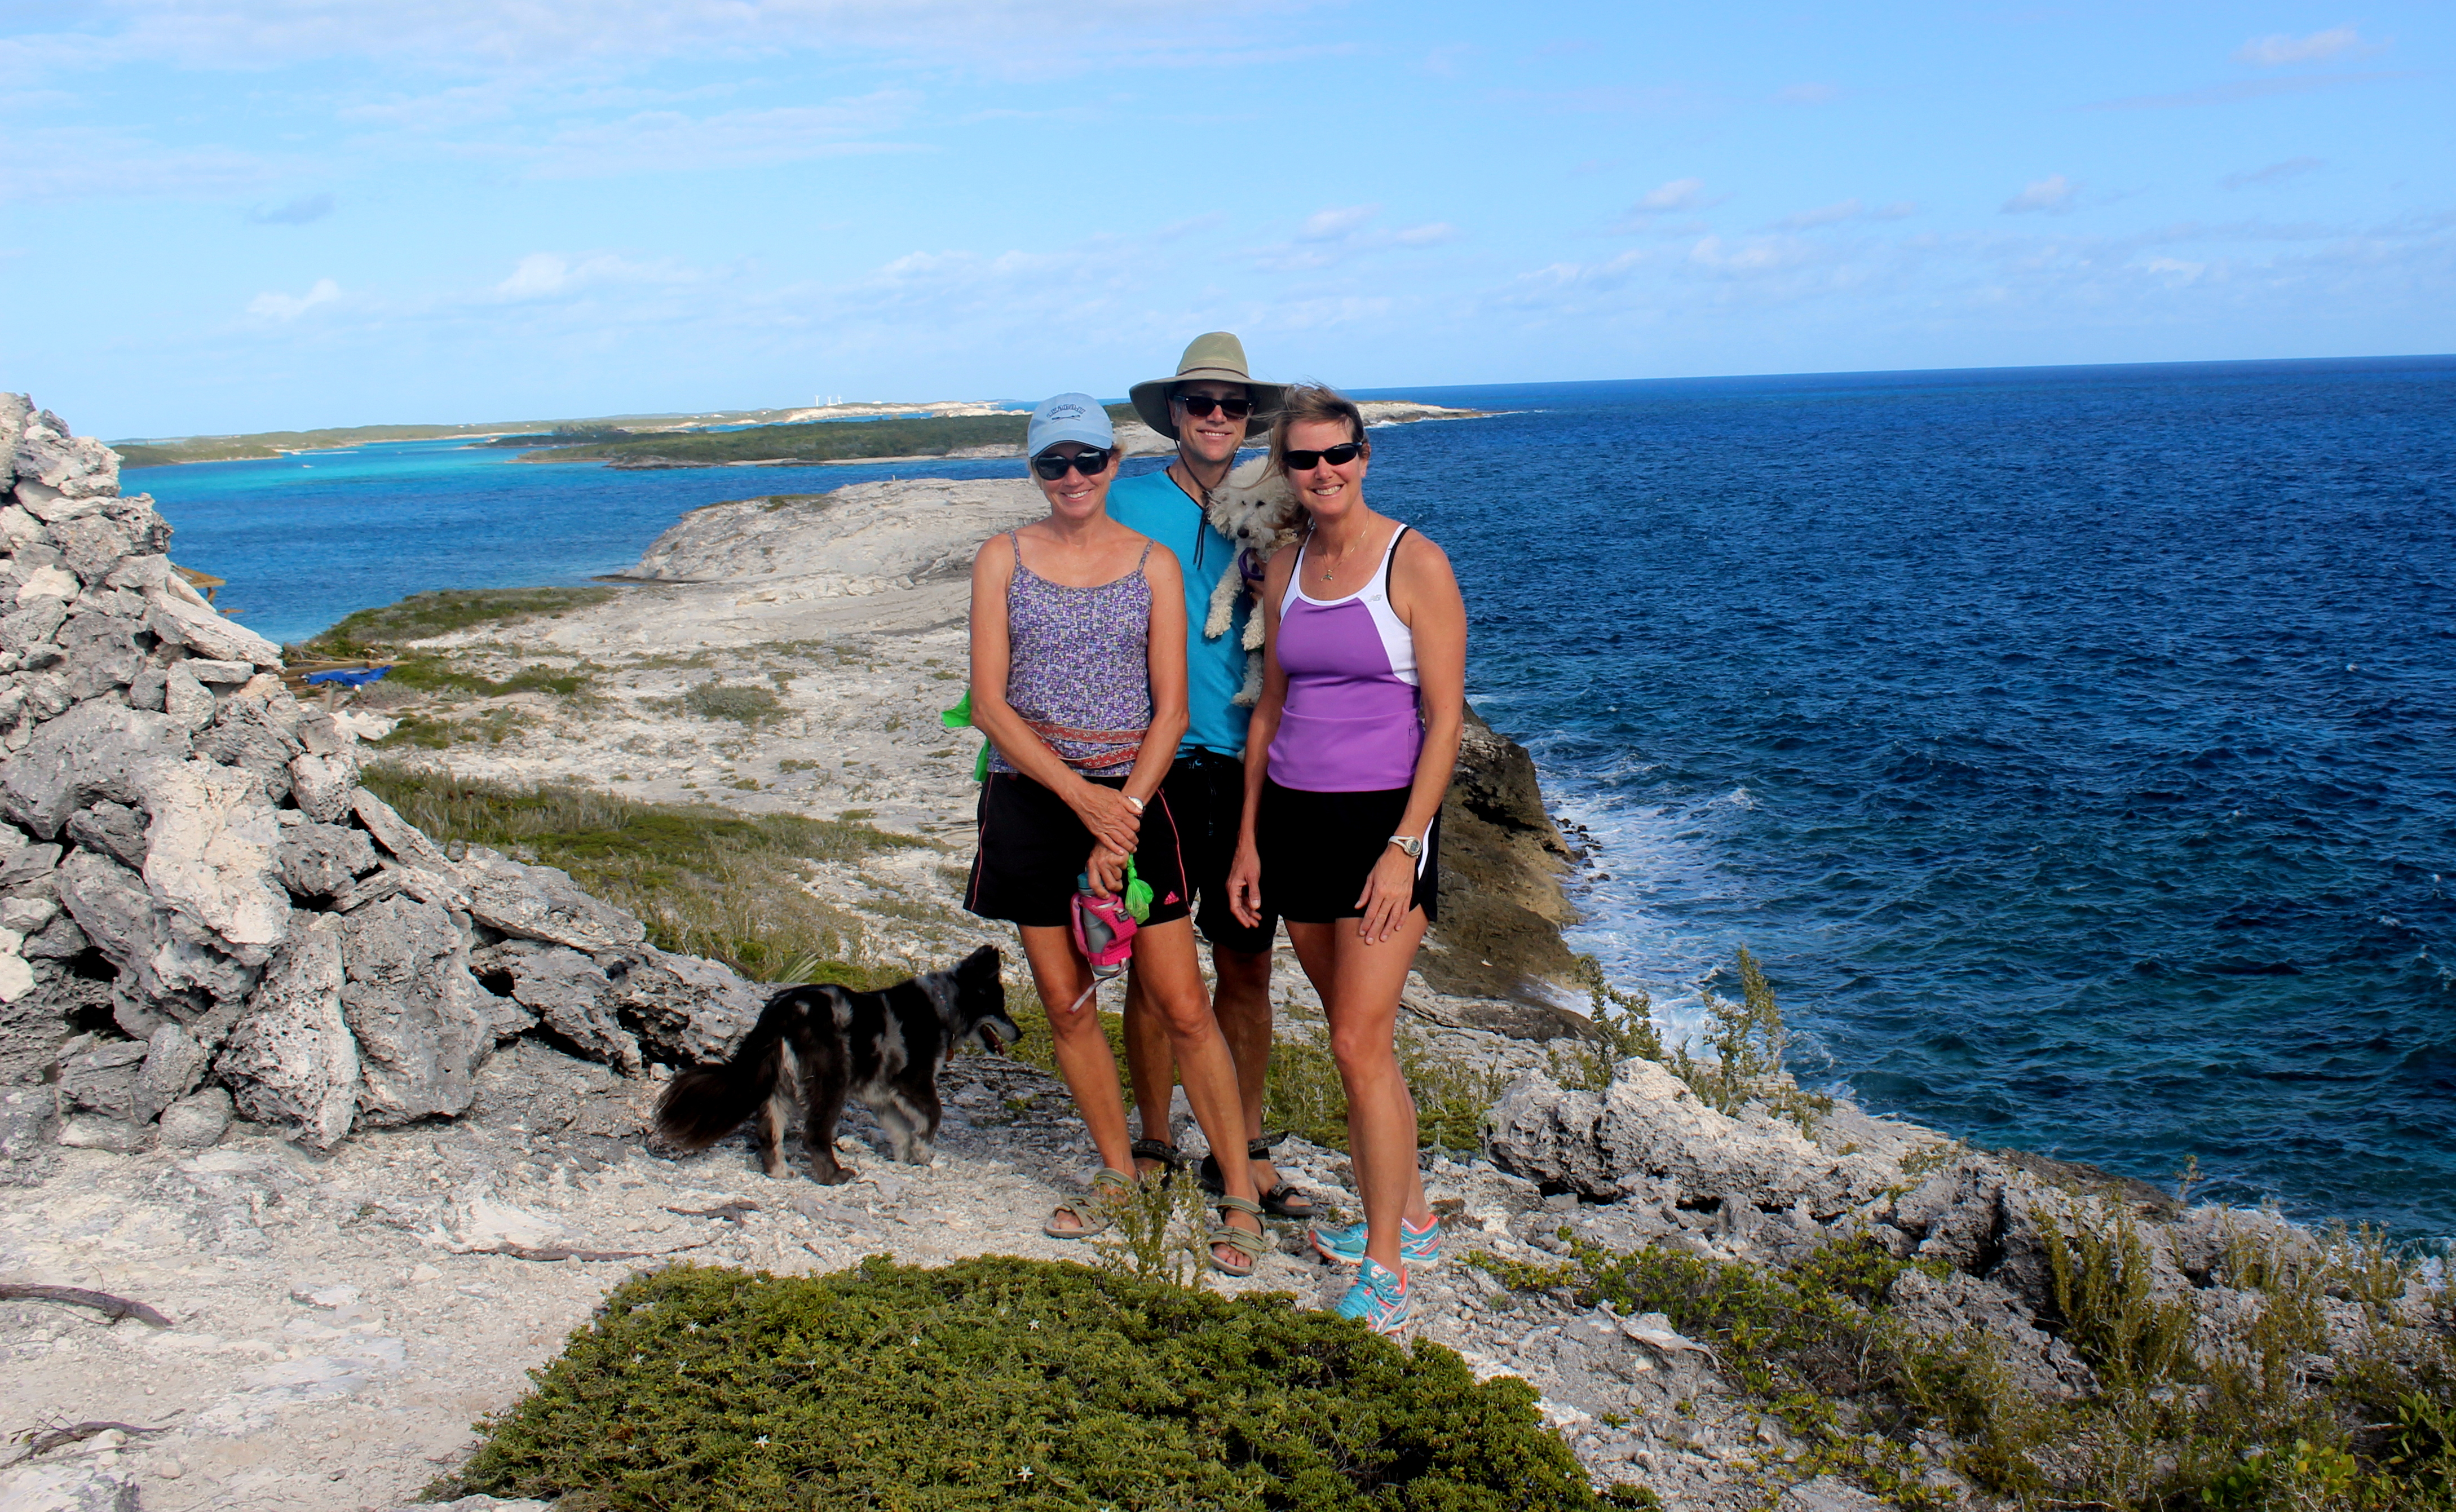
(2075, 747)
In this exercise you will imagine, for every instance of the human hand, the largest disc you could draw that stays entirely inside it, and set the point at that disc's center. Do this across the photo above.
(1107, 870)
(1246, 885)
(1106, 813)
(1389, 893)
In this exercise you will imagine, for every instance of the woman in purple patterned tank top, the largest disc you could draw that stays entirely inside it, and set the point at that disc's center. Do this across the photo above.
(1078, 680)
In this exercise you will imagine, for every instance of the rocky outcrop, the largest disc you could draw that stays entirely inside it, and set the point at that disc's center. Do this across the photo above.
(1502, 905)
(203, 915)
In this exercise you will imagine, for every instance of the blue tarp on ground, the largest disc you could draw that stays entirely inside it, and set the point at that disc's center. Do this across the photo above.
(349, 679)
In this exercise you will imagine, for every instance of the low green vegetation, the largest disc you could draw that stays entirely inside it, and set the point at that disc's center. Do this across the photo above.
(817, 441)
(1304, 1094)
(1006, 1384)
(158, 451)
(705, 881)
(746, 704)
(2255, 1406)
(421, 616)
(560, 436)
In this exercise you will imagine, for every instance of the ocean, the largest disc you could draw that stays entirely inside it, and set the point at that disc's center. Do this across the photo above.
(2075, 747)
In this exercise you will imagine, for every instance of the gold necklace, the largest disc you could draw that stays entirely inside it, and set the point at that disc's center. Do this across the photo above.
(1336, 562)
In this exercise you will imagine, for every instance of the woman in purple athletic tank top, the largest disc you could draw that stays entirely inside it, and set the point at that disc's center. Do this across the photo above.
(1348, 758)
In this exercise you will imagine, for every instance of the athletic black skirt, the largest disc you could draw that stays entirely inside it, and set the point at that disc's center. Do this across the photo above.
(1033, 848)
(1319, 848)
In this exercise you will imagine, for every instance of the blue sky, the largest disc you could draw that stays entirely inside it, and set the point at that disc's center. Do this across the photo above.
(239, 214)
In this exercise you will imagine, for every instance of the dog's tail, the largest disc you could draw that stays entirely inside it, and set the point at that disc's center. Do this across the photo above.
(703, 1105)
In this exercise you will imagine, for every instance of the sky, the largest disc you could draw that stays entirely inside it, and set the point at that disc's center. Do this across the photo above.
(222, 215)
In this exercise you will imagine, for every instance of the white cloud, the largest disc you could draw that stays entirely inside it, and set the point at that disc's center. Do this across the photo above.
(68, 163)
(2051, 195)
(297, 212)
(1336, 225)
(485, 35)
(1832, 215)
(291, 306)
(2237, 90)
(1680, 194)
(1432, 234)
(2278, 50)
(2273, 173)
(550, 274)
(664, 140)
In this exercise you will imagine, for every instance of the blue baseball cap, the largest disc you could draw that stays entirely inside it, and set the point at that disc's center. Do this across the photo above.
(1068, 418)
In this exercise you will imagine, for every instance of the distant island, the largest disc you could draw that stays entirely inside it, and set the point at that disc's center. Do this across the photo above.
(938, 436)
(842, 432)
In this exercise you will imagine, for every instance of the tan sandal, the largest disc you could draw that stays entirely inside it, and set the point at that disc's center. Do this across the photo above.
(1248, 1246)
(1090, 1213)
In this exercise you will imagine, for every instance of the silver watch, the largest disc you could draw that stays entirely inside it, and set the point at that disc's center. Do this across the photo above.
(1412, 847)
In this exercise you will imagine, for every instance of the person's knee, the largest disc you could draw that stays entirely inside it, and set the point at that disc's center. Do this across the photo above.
(1362, 1054)
(1075, 1023)
(1188, 1015)
(1242, 971)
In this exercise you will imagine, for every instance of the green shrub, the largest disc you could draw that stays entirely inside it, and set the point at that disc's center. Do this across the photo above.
(1748, 1042)
(705, 881)
(423, 616)
(1009, 1383)
(1623, 1028)
(747, 704)
(1303, 1092)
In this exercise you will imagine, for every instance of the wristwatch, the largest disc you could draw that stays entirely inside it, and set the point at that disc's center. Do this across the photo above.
(1412, 847)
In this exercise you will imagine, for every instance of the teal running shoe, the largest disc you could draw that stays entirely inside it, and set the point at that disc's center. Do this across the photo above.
(1378, 1300)
(1346, 1246)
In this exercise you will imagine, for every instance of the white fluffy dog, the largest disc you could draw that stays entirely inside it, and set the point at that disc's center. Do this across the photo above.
(1257, 510)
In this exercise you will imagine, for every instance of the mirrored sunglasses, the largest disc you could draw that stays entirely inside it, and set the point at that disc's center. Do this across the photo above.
(1090, 461)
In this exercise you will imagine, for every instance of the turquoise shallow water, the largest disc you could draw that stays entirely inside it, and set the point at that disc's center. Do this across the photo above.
(2075, 746)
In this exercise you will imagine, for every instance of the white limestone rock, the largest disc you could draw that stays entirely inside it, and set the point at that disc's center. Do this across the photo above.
(93, 750)
(414, 1010)
(196, 625)
(571, 994)
(688, 1011)
(541, 902)
(188, 703)
(1649, 1127)
(211, 859)
(196, 1122)
(323, 785)
(292, 1062)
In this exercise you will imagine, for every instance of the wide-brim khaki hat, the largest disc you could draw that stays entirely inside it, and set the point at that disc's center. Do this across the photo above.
(1213, 355)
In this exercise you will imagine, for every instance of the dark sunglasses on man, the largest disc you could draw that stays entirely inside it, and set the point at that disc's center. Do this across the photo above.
(1199, 405)
(1091, 462)
(1339, 455)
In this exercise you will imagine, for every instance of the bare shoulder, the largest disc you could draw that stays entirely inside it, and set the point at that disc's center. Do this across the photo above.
(997, 549)
(1419, 562)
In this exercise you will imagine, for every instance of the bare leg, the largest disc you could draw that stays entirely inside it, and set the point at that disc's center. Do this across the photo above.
(1150, 1063)
(1173, 977)
(1360, 984)
(1241, 1001)
(1082, 1049)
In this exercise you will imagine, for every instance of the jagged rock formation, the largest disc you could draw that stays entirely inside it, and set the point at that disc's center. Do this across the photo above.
(202, 914)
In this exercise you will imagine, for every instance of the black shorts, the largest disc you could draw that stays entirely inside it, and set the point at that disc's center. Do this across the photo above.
(1033, 848)
(1207, 793)
(1319, 848)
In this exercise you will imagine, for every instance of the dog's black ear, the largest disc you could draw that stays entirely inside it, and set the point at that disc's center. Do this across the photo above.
(981, 962)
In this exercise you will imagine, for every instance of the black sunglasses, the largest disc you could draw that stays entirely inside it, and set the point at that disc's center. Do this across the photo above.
(1091, 462)
(1339, 455)
(1198, 405)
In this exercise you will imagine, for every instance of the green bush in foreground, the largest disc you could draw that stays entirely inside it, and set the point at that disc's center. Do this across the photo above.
(1005, 1383)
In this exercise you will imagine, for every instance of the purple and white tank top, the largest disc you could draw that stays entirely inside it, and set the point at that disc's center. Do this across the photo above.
(1353, 721)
